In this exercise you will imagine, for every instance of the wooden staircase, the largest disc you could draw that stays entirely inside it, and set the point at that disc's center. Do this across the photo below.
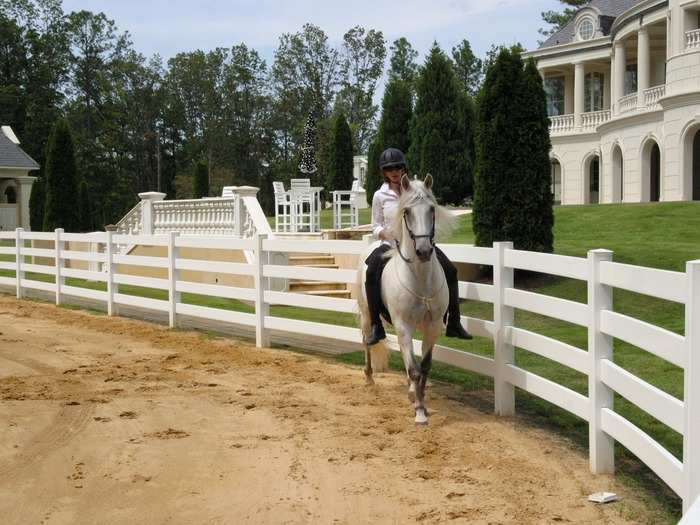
(321, 288)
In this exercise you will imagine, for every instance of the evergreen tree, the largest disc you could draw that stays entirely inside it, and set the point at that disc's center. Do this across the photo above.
(439, 126)
(468, 68)
(60, 210)
(393, 132)
(86, 224)
(512, 198)
(341, 153)
(307, 166)
(201, 180)
(36, 205)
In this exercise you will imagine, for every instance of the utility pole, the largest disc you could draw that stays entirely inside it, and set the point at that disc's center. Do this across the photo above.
(158, 158)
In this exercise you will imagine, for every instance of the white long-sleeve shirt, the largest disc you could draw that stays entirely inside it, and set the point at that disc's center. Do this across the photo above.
(384, 205)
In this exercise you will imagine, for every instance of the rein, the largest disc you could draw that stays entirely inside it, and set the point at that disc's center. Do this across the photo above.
(413, 236)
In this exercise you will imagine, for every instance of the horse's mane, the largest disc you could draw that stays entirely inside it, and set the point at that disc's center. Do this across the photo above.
(445, 221)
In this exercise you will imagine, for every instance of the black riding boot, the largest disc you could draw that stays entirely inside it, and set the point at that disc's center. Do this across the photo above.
(373, 289)
(454, 316)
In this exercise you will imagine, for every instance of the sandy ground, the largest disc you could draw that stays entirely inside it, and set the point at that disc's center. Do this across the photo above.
(117, 421)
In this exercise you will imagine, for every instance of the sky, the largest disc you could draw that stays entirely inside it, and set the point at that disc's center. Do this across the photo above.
(167, 27)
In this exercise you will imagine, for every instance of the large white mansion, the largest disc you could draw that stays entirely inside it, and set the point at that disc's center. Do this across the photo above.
(623, 94)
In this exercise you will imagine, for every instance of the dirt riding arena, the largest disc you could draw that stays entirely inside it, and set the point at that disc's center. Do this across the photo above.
(116, 421)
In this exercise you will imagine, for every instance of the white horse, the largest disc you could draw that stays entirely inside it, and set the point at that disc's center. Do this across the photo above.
(413, 287)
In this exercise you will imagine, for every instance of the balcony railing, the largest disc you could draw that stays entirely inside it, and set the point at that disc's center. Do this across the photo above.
(692, 39)
(652, 96)
(628, 103)
(593, 119)
(561, 124)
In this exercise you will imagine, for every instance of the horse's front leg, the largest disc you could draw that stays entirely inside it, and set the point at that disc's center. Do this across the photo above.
(405, 339)
(429, 337)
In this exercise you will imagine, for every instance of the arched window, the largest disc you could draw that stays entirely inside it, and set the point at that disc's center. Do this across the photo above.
(696, 166)
(618, 184)
(655, 174)
(556, 181)
(594, 181)
(10, 195)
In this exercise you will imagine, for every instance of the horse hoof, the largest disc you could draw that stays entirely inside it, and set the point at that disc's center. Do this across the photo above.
(369, 381)
(421, 418)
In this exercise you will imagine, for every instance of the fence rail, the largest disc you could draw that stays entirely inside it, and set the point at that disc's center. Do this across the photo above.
(602, 275)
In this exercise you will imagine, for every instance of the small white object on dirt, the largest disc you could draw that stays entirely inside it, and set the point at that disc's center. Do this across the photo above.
(603, 497)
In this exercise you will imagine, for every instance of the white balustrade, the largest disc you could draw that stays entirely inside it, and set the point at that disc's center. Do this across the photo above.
(561, 124)
(653, 95)
(195, 216)
(593, 119)
(131, 223)
(628, 103)
(692, 39)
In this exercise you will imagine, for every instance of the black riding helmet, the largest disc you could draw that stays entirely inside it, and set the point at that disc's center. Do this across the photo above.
(392, 158)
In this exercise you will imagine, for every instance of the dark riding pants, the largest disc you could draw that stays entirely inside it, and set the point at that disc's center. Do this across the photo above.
(375, 266)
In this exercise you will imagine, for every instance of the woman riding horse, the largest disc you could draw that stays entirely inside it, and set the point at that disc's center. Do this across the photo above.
(392, 163)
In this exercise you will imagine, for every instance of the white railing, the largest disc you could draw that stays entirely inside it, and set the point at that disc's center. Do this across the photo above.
(561, 124)
(593, 119)
(602, 276)
(627, 103)
(131, 223)
(692, 39)
(653, 95)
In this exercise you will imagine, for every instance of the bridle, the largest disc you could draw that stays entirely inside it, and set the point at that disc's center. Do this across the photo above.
(413, 236)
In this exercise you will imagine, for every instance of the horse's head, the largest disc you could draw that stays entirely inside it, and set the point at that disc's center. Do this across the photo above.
(418, 216)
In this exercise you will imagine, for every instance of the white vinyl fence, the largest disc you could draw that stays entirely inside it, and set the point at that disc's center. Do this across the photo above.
(601, 274)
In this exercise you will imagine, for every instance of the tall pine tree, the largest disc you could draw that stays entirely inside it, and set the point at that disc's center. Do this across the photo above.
(441, 121)
(86, 224)
(60, 210)
(512, 198)
(201, 180)
(341, 153)
(393, 131)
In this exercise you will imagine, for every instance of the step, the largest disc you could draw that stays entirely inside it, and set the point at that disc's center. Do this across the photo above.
(311, 260)
(340, 294)
(301, 286)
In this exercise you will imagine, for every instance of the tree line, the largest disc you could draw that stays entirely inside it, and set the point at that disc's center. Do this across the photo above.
(203, 120)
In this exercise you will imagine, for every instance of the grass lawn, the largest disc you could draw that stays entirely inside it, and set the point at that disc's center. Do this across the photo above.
(659, 235)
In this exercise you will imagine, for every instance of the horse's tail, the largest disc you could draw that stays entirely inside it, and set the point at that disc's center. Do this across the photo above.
(380, 356)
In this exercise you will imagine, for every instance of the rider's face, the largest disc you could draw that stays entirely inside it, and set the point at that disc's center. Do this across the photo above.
(394, 174)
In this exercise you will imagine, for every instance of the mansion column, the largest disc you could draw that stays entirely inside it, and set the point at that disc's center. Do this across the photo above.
(579, 92)
(643, 64)
(568, 94)
(619, 75)
(606, 88)
(24, 192)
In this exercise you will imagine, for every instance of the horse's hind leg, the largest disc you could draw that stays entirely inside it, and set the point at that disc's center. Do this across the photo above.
(368, 366)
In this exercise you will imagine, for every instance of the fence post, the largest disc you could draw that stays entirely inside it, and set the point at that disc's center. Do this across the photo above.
(110, 274)
(58, 247)
(691, 397)
(601, 447)
(19, 274)
(173, 294)
(503, 317)
(261, 307)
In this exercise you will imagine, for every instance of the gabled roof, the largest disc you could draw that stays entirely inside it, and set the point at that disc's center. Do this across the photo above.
(12, 156)
(609, 11)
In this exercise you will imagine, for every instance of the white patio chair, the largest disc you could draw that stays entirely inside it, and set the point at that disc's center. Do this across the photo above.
(345, 213)
(302, 204)
(283, 208)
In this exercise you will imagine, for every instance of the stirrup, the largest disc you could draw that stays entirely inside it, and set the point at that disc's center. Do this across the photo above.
(376, 334)
(457, 330)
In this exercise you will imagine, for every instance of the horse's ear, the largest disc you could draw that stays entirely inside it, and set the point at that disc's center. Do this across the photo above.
(428, 181)
(405, 182)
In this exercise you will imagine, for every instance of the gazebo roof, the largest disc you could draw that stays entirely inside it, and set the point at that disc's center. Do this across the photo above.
(11, 155)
